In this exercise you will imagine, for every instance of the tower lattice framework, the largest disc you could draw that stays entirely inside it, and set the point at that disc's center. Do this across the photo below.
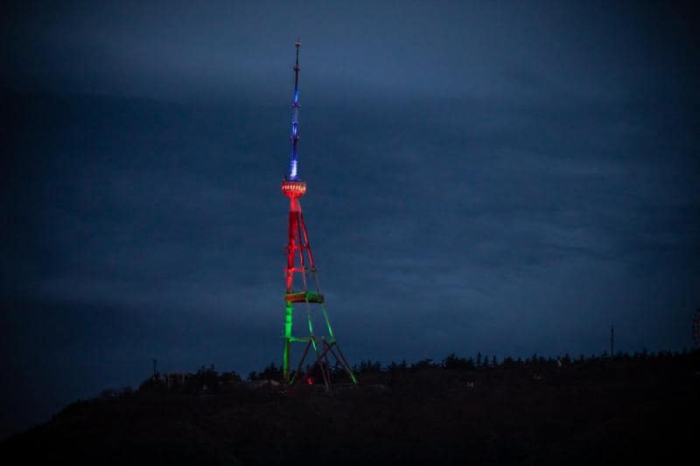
(303, 291)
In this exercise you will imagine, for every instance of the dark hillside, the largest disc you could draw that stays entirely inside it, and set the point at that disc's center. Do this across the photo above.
(588, 411)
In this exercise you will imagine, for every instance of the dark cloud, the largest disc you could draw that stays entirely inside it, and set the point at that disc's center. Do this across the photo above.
(508, 179)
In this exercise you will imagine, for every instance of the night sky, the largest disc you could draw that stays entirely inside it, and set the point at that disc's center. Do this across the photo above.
(503, 177)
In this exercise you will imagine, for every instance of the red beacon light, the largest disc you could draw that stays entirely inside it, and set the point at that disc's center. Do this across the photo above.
(293, 189)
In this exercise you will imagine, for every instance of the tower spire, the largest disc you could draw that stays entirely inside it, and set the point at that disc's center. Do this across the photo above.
(293, 174)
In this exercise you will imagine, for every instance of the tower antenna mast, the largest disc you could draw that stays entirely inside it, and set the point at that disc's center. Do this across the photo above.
(295, 121)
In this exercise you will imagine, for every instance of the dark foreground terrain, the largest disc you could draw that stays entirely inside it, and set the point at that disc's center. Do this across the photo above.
(590, 411)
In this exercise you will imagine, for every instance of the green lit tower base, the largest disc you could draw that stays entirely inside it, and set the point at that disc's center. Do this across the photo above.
(320, 345)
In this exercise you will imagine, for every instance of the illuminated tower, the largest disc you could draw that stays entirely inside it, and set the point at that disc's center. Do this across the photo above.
(301, 275)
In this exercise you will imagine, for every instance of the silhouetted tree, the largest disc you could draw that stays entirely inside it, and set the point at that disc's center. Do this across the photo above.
(453, 362)
(368, 366)
(271, 372)
(426, 363)
(230, 378)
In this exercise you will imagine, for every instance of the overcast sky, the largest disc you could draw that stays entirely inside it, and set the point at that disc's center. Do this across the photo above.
(504, 177)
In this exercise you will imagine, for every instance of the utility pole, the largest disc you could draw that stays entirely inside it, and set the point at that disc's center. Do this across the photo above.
(612, 341)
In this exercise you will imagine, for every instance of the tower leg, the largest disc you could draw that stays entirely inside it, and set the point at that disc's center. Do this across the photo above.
(287, 341)
(328, 323)
(301, 362)
(345, 364)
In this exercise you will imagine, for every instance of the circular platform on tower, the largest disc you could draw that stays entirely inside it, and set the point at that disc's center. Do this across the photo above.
(293, 189)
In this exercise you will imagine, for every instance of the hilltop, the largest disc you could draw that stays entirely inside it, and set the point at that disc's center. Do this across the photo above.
(585, 411)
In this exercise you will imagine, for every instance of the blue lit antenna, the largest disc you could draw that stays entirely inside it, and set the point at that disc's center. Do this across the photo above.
(295, 120)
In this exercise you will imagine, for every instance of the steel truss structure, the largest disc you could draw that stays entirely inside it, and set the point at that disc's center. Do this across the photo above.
(302, 282)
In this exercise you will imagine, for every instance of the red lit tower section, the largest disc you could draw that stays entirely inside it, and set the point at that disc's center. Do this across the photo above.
(319, 349)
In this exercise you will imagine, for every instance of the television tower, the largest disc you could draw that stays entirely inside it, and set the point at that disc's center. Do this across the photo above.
(301, 273)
